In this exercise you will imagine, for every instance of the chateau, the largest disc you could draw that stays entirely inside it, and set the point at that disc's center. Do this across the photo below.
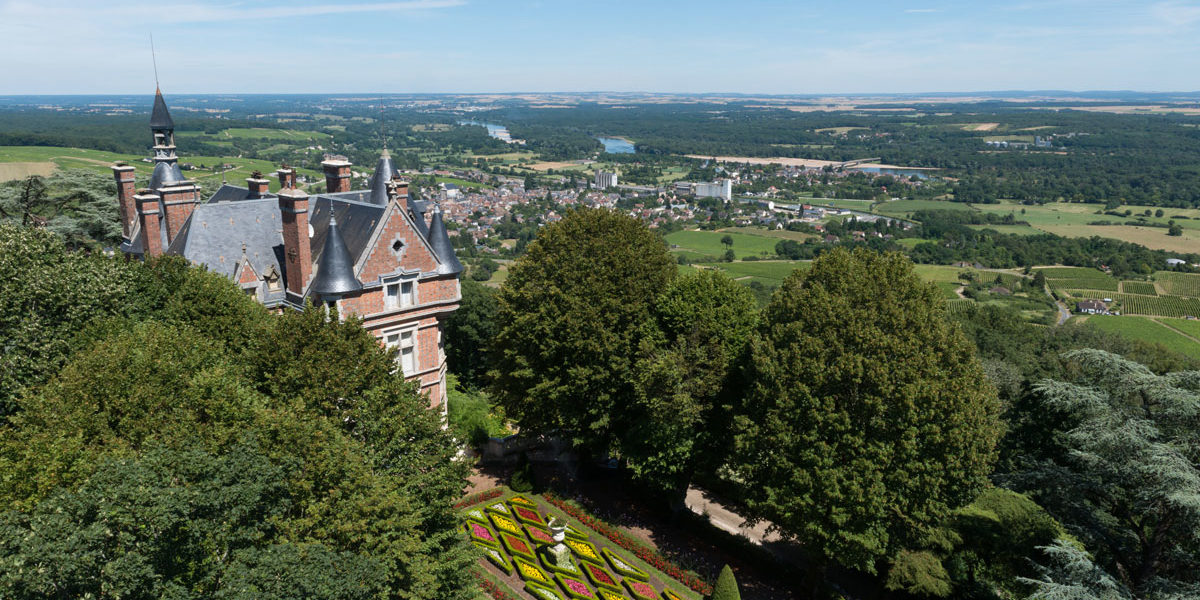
(373, 253)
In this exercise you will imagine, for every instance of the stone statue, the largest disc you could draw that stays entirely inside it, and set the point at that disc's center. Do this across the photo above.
(559, 553)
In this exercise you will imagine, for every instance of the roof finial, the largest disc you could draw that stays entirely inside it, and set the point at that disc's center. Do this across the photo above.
(154, 61)
(382, 131)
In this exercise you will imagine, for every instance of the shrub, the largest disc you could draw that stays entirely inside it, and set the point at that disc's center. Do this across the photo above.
(727, 587)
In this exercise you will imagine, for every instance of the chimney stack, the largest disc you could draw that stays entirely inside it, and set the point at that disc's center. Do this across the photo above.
(337, 175)
(148, 214)
(123, 174)
(178, 202)
(293, 208)
(398, 192)
(257, 184)
(287, 177)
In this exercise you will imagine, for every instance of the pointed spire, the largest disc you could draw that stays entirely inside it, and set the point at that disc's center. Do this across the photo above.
(335, 268)
(442, 246)
(160, 118)
(384, 170)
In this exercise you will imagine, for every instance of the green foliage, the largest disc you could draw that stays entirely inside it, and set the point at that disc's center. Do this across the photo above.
(919, 573)
(174, 523)
(571, 315)
(363, 473)
(726, 587)
(47, 295)
(76, 204)
(1128, 487)
(704, 319)
(866, 418)
(470, 413)
(469, 332)
(522, 477)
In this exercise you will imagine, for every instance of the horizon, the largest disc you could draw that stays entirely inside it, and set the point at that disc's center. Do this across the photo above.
(532, 47)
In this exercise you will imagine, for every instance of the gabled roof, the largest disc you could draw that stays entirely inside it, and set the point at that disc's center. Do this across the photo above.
(217, 231)
(160, 118)
(357, 220)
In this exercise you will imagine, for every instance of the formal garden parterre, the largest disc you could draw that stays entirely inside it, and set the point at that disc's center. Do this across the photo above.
(512, 533)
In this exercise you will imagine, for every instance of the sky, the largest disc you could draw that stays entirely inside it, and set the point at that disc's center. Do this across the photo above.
(679, 46)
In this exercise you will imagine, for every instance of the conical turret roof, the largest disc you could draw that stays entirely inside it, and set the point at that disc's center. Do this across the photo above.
(384, 170)
(335, 268)
(442, 246)
(160, 118)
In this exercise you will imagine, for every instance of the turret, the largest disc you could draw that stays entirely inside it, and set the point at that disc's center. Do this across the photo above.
(335, 268)
(442, 246)
(384, 170)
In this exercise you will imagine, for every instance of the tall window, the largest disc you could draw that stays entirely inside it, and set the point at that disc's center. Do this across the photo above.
(406, 342)
(399, 294)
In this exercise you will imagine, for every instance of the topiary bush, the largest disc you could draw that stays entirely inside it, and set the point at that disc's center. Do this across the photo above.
(727, 587)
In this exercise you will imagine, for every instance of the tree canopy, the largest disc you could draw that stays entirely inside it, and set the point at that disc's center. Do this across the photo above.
(866, 416)
(572, 315)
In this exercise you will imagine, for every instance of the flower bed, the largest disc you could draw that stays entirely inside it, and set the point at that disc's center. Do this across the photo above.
(542, 592)
(507, 524)
(496, 558)
(641, 590)
(528, 515)
(584, 551)
(516, 546)
(623, 567)
(638, 548)
(530, 572)
(539, 536)
(482, 535)
(492, 587)
(476, 498)
(575, 588)
(601, 578)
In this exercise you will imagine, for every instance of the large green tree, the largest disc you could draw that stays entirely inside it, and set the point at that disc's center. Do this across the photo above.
(469, 332)
(703, 320)
(866, 417)
(572, 316)
(1128, 484)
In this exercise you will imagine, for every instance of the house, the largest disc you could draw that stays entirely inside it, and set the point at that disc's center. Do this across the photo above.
(1091, 307)
(372, 253)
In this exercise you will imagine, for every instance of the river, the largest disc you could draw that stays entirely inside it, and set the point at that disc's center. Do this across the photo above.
(614, 145)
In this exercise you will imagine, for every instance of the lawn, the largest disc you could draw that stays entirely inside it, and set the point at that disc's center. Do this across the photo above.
(783, 234)
(859, 205)
(1147, 330)
(709, 243)
(1187, 326)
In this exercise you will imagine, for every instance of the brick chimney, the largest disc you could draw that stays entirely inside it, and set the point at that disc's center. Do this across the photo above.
(179, 202)
(258, 185)
(123, 174)
(287, 177)
(398, 192)
(297, 251)
(148, 215)
(337, 175)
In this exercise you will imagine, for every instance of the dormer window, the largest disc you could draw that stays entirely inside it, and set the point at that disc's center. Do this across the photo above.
(399, 293)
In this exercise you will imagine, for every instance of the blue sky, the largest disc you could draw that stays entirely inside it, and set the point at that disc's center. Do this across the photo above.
(747, 46)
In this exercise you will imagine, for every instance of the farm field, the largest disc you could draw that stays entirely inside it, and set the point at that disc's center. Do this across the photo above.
(1146, 330)
(1189, 327)
(1083, 278)
(1133, 304)
(1072, 220)
(1178, 284)
(769, 272)
(1013, 229)
(905, 208)
(709, 243)
(260, 133)
(860, 205)
(44, 160)
(782, 234)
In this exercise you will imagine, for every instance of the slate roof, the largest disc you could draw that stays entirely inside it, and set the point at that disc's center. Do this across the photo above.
(160, 118)
(217, 231)
(165, 175)
(334, 271)
(384, 171)
(441, 245)
(357, 219)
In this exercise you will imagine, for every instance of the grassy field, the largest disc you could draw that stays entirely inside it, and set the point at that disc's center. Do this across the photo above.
(1073, 220)
(1013, 229)
(860, 205)
(782, 234)
(770, 272)
(709, 243)
(1146, 330)
(904, 208)
(1188, 327)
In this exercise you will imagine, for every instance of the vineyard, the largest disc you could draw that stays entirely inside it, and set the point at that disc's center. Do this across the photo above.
(1144, 288)
(958, 307)
(1179, 284)
(1079, 278)
(1134, 304)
